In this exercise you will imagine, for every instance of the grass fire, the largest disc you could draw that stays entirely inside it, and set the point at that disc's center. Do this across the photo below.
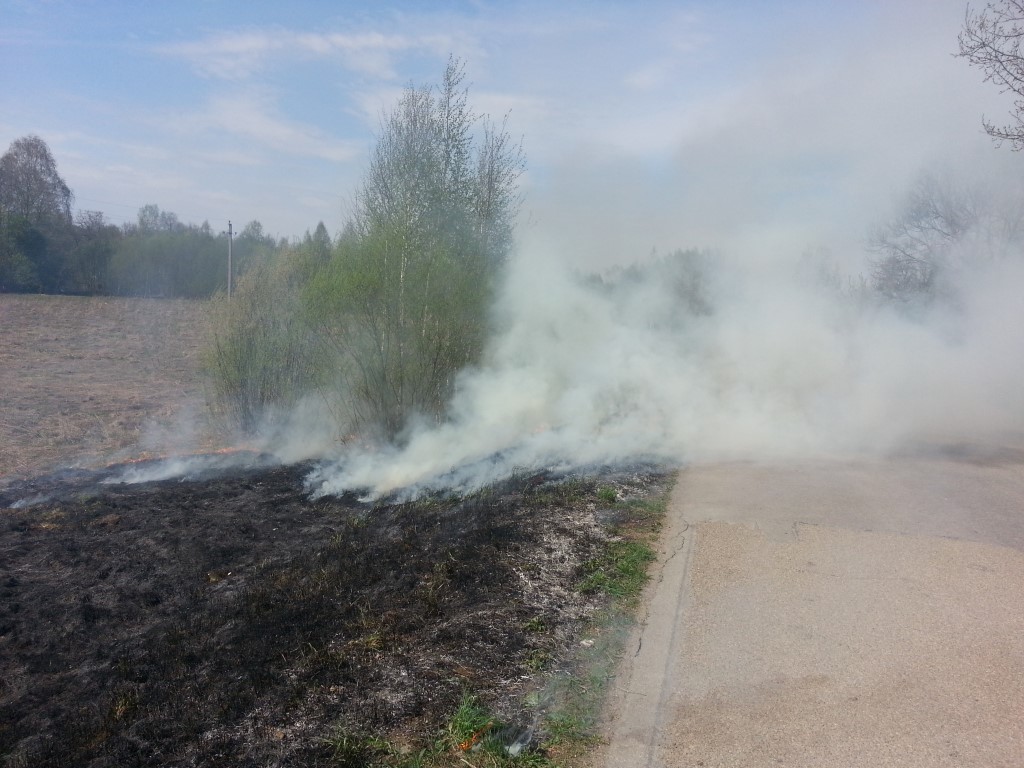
(386, 493)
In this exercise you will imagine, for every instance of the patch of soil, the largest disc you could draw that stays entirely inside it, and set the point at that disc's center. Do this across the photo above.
(233, 621)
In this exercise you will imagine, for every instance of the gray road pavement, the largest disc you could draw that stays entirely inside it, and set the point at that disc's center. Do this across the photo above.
(854, 613)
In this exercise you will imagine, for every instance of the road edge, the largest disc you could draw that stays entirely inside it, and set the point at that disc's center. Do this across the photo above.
(636, 709)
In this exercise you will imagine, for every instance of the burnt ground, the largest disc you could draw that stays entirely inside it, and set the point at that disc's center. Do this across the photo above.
(227, 619)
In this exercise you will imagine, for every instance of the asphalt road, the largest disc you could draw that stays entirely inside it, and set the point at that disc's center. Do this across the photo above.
(834, 613)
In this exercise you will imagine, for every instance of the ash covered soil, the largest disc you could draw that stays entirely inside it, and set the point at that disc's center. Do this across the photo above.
(231, 620)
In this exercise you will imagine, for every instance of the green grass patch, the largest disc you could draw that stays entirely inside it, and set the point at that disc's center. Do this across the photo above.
(620, 571)
(571, 491)
(474, 736)
(351, 751)
(536, 625)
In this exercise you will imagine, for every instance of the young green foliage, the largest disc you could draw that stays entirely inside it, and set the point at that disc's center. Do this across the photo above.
(398, 306)
(404, 301)
(260, 357)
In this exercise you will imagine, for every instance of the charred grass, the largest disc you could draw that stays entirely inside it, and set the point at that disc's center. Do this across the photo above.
(235, 622)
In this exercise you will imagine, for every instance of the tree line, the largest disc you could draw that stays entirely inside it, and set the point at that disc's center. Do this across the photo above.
(46, 248)
(374, 324)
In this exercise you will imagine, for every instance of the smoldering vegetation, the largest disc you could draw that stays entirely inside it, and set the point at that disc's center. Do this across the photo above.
(424, 349)
(700, 355)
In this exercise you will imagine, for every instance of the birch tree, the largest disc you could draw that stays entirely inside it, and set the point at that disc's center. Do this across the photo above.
(406, 296)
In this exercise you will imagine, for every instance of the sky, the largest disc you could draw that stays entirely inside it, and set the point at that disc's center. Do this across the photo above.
(771, 125)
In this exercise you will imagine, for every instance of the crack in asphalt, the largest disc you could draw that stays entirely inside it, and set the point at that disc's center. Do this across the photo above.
(658, 582)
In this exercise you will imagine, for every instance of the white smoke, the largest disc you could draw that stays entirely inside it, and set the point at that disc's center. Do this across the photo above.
(712, 357)
(815, 145)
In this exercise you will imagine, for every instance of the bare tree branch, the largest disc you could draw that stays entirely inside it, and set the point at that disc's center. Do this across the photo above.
(991, 41)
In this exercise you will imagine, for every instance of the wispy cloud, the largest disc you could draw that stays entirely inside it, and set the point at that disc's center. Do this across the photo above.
(252, 116)
(231, 56)
(239, 55)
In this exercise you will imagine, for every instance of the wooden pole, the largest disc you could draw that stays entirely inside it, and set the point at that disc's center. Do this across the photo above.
(229, 260)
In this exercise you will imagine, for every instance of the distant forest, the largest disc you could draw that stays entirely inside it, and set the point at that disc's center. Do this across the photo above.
(45, 247)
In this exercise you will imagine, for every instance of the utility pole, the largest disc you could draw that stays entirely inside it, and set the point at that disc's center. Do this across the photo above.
(229, 260)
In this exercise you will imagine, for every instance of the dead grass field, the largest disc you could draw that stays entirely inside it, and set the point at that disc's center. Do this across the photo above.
(86, 379)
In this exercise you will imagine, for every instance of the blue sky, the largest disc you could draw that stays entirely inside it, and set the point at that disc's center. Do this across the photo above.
(659, 124)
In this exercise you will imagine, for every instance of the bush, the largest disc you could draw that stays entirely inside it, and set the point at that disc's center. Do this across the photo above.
(261, 356)
(399, 328)
(382, 321)
(404, 301)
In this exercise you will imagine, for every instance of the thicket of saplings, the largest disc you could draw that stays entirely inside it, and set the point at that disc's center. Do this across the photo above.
(377, 323)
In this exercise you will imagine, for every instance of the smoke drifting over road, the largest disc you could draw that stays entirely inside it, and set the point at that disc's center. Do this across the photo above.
(707, 356)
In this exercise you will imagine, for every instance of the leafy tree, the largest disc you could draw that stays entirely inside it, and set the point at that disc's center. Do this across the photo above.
(260, 358)
(161, 256)
(88, 257)
(20, 244)
(991, 40)
(319, 243)
(35, 209)
(30, 185)
(495, 195)
(253, 231)
(42, 248)
(427, 177)
(403, 327)
(404, 300)
(390, 312)
(310, 254)
(252, 247)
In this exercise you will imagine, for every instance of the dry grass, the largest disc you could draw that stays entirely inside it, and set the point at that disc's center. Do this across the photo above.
(87, 378)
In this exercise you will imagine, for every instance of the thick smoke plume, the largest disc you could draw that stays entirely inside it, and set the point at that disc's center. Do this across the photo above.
(704, 356)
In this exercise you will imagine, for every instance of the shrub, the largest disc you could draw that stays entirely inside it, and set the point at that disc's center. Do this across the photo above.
(261, 356)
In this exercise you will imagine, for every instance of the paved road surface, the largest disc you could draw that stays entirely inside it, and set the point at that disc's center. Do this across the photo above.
(834, 614)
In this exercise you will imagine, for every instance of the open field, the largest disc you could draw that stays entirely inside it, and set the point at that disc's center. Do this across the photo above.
(87, 378)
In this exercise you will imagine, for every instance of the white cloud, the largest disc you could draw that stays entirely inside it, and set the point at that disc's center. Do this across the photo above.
(232, 56)
(252, 116)
(241, 55)
(373, 53)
